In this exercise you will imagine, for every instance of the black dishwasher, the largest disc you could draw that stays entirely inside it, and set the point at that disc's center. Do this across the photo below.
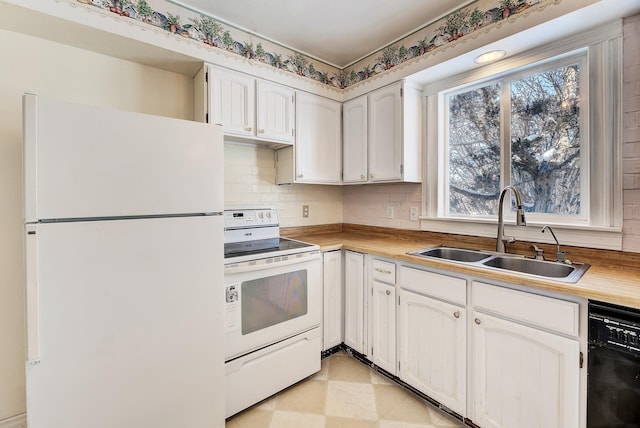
(613, 393)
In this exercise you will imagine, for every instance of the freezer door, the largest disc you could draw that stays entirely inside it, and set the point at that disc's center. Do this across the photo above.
(83, 161)
(128, 329)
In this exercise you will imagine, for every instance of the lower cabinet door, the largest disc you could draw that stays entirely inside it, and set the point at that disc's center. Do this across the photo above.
(383, 326)
(354, 298)
(523, 377)
(332, 316)
(432, 349)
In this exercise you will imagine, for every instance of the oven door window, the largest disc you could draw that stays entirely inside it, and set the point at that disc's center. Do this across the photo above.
(273, 300)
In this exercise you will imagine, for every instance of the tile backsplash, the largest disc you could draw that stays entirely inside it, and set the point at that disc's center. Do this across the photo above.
(250, 177)
(367, 204)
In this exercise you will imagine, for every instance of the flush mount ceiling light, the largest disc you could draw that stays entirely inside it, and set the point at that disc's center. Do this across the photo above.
(489, 57)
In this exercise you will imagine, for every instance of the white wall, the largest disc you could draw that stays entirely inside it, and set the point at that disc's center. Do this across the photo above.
(367, 204)
(61, 72)
(250, 175)
(631, 135)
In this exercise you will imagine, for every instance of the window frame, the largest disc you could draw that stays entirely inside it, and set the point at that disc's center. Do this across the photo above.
(601, 49)
(505, 80)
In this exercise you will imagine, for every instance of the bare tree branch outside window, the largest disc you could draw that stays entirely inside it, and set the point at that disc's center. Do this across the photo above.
(544, 144)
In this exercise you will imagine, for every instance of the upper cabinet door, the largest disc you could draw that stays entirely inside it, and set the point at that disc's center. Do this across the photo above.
(232, 101)
(385, 133)
(275, 114)
(354, 140)
(318, 139)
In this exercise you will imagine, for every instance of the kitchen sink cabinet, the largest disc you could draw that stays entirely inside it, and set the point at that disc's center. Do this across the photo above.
(354, 301)
(382, 135)
(498, 355)
(382, 314)
(432, 336)
(316, 157)
(526, 359)
(332, 314)
(249, 108)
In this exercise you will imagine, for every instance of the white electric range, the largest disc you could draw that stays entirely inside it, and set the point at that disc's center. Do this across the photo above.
(273, 307)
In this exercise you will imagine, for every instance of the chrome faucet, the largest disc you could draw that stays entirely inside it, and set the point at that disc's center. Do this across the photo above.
(559, 254)
(502, 240)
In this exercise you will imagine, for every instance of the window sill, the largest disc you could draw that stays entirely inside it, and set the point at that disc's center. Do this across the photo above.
(577, 236)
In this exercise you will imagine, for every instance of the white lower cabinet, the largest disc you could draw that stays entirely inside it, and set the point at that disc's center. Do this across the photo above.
(432, 348)
(498, 355)
(354, 301)
(383, 326)
(332, 316)
(526, 359)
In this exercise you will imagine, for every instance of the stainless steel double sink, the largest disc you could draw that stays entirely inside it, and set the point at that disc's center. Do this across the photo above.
(556, 271)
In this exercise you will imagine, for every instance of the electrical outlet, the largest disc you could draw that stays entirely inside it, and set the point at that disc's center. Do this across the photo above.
(305, 211)
(389, 211)
(413, 214)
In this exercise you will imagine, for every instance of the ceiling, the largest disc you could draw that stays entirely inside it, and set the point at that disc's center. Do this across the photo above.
(337, 32)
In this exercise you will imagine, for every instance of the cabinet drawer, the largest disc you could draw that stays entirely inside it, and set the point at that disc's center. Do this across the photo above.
(547, 312)
(433, 284)
(383, 271)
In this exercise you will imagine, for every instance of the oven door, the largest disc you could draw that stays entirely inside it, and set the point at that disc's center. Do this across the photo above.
(269, 300)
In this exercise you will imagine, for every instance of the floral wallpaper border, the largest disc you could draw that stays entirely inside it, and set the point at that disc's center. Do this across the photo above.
(209, 31)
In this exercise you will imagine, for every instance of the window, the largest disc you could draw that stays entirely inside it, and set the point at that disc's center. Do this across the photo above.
(528, 124)
(547, 122)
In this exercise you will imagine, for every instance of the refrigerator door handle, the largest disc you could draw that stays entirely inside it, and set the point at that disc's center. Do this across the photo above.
(32, 295)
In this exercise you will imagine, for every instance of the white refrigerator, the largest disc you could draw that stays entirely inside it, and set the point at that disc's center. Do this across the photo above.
(124, 269)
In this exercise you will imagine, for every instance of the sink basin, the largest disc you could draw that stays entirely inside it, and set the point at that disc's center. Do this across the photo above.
(454, 254)
(553, 270)
(514, 263)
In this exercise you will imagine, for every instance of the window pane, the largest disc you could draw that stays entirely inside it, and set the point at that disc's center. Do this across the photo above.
(474, 151)
(545, 141)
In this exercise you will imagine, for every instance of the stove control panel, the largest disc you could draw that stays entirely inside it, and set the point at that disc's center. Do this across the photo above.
(248, 218)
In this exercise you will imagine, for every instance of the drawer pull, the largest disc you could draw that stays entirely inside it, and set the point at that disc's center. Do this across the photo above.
(388, 272)
(477, 320)
(456, 314)
(388, 293)
(260, 131)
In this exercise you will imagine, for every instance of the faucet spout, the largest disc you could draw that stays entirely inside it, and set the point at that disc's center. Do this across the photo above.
(501, 240)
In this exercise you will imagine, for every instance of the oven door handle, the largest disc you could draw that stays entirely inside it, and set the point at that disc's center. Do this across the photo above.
(253, 266)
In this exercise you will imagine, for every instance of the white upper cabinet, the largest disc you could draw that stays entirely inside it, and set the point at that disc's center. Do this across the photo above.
(385, 134)
(354, 140)
(382, 135)
(317, 157)
(275, 114)
(232, 101)
(250, 108)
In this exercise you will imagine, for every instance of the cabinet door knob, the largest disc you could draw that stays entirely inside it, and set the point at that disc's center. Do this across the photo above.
(370, 175)
(362, 176)
(248, 128)
(260, 131)
(388, 293)
(456, 314)
(477, 320)
(299, 175)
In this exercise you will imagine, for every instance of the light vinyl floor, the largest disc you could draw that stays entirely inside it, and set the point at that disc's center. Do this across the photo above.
(344, 394)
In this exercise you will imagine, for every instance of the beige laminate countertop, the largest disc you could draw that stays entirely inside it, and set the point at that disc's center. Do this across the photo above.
(604, 283)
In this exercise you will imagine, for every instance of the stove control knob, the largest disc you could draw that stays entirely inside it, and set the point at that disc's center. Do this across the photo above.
(268, 214)
(261, 214)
